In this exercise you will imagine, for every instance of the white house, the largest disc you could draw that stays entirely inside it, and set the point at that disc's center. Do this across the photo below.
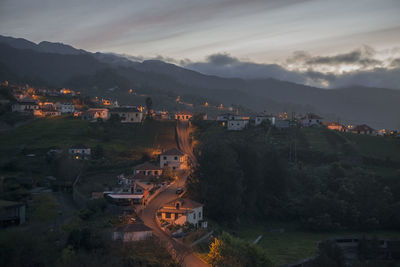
(237, 125)
(95, 113)
(231, 117)
(182, 210)
(173, 158)
(148, 169)
(311, 120)
(282, 124)
(11, 213)
(260, 118)
(128, 114)
(80, 152)
(25, 105)
(65, 108)
(131, 233)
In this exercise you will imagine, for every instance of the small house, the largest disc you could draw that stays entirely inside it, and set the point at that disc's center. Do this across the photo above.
(237, 125)
(26, 105)
(65, 108)
(79, 152)
(363, 129)
(148, 169)
(181, 211)
(128, 114)
(183, 116)
(11, 213)
(334, 126)
(131, 233)
(260, 118)
(95, 113)
(173, 158)
(311, 120)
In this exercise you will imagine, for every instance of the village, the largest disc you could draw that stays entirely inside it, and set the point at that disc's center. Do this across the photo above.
(153, 197)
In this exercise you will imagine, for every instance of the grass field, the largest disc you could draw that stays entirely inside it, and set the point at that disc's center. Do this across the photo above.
(293, 244)
(44, 207)
(376, 146)
(64, 131)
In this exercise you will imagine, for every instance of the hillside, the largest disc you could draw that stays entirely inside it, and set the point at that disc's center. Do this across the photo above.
(94, 74)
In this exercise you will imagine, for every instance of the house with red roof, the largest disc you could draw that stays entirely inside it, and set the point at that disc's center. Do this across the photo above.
(181, 211)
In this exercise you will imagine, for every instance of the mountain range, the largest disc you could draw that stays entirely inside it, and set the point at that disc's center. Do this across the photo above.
(103, 74)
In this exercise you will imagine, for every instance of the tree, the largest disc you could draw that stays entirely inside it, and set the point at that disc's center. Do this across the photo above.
(149, 107)
(98, 152)
(229, 251)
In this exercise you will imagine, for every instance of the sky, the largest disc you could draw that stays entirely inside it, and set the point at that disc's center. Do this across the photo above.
(299, 36)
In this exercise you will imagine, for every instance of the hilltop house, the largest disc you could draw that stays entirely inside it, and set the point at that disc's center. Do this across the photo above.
(334, 126)
(47, 110)
(237, 125)
(131, 233)
(231, 117)
(26, 105)
(65, 108)
(80, 152)
(173, 158)
(148, 169)
(128, 114)
(260, 118)
(311, 120)
(11, 213)
(183, 116)
(182, 210)
(95, 113)
(362, 129)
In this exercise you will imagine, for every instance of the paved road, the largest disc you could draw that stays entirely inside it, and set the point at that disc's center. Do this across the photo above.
(184, 254)
(182, 130)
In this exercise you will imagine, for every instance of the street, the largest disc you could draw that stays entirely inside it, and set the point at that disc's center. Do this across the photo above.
(188, 258)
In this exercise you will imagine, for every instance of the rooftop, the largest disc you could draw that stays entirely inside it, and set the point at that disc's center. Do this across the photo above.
(9, 204)
(173, 152)
(147, 166)
(185, 203)
(125, 109)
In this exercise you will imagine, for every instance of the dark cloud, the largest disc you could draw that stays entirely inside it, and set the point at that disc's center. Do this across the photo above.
(222, 59)
(363, 56)
(395, 63)
(225, 65)
(369, 71)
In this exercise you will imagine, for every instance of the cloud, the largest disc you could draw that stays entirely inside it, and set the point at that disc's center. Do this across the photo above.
(360, 66)
(362, 57)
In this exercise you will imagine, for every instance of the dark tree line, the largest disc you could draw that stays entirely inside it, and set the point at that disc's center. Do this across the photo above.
(242, 176)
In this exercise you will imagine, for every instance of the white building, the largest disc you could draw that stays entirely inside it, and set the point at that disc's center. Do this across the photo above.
(148, 169)
(131, 233)
(25, 105)
(173, 158)
(128, 114)
(95, 113)
(182, 210)
(311, 120)
(237, 125)
(259, 119)
(65, 108)
(80, 152)
(231, 117)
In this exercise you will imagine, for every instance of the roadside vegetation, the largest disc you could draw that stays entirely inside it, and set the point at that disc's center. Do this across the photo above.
(321, 180)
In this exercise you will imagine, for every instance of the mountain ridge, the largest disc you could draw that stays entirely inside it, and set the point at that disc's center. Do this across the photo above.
(85, 70)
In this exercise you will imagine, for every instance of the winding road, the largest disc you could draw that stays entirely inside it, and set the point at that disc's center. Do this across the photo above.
(179, 251)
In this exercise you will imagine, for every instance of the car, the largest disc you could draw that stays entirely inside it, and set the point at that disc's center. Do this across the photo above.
(179, 191)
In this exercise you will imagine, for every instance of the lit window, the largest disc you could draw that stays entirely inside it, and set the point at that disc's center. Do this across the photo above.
(168, 215)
